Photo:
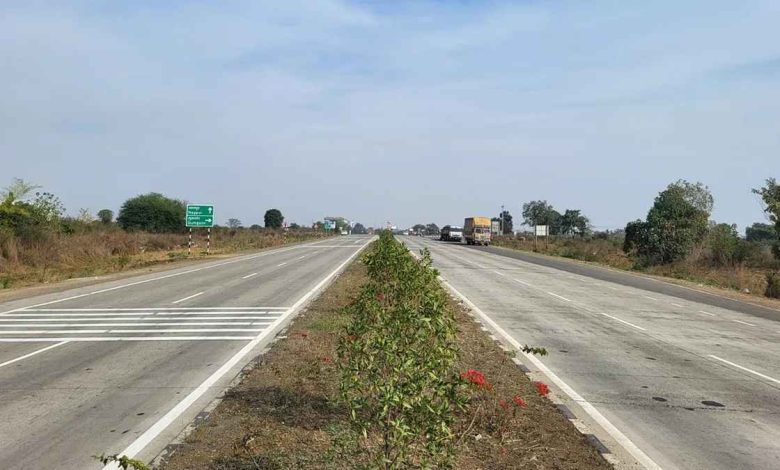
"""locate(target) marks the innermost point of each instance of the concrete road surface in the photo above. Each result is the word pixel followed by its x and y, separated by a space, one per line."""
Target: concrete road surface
pixel 124 366
pixel 664 381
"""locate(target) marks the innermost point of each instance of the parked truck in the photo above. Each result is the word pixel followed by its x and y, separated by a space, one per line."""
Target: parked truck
pixel 476 230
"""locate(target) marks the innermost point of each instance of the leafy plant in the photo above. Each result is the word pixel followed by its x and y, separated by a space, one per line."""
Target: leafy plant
pixel 124 462
pixel 397 360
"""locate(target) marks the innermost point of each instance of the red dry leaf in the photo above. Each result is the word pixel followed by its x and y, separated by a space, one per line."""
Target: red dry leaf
pixel 519 401
pixel 542 388
pixel 477 378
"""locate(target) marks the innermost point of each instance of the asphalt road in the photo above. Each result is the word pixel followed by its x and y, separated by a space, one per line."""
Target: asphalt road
pixel 124 366
pixel 663 380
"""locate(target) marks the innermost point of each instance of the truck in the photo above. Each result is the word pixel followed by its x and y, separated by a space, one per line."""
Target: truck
pixel 451 233
pixel 476 230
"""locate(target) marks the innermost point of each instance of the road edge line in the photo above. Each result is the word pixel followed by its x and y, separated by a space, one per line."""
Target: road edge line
pixel 20 358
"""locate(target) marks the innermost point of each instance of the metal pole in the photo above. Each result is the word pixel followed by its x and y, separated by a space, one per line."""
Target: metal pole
pixel 208 241
pixel 189 244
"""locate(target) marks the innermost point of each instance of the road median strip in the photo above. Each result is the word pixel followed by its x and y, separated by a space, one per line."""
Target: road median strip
pixel 287 410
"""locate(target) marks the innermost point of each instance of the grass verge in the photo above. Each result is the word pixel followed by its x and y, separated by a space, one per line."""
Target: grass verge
pixel 285 412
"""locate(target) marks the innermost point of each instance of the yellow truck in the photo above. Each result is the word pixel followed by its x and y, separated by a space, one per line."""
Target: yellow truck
pixel 476 230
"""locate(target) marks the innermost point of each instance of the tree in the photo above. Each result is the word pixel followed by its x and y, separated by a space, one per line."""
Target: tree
pixel 419 228
pixel 723 243
pixel 537 213
pixel 572 222
pixel 18 191
pixel 432 229
pixel 273 218
pixel 294 226
pixel 759 232
pixel 770 195
pixel 105 216
pixel 234 223
pixel 359 229
pixel 152 212
pixel 678 220
pixel 506 218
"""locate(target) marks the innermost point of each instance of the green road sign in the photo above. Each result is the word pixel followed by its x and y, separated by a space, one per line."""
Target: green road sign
pixel 330 225
pixel 200 215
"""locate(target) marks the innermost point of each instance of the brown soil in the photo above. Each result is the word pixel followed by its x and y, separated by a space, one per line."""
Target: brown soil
pixel 285 414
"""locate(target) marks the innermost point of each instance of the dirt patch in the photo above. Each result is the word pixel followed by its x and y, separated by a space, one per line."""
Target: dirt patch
pixel 285 412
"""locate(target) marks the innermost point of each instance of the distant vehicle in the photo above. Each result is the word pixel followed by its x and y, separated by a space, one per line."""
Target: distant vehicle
pixel 476 230
pixel 344 232
pixel 451 233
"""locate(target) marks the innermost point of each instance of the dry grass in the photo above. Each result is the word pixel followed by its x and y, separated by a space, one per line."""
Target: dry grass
pixel 698 268
pixel 60 256
pixel 285 412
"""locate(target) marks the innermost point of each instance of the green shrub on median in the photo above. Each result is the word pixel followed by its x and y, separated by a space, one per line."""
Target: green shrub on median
pixel 397 359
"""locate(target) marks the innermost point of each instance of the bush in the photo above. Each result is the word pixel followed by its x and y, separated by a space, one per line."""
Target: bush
pixel 152 212
pixel 397 359
pixel 773 285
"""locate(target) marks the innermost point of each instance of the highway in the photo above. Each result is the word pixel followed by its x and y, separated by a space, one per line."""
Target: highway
pixel 124 366
pixel 662 380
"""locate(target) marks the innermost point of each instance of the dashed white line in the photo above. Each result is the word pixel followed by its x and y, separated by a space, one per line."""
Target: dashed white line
pixel 187 298
pixel 498 272
pixel 611 287
pixel 707 313
pixel 772 379
pixel 301 257
pixel 623 321
pixel 249 275
pixel 743 322
pixel 6 363
pixel 648 297
pixel 676 305
pixel 559 296
pixel 281 264
pixel 522 282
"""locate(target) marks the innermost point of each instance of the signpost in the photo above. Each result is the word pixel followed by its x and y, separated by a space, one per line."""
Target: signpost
pixel 200 216
pixel 330 225
pixel 541 231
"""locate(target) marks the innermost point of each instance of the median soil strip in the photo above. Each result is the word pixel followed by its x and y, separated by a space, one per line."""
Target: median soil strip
pixel 284 412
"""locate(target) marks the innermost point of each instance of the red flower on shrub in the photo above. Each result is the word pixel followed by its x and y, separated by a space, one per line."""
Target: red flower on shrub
pixel 477 378
pixel 503 404
pixel 519 401
pixel 542 388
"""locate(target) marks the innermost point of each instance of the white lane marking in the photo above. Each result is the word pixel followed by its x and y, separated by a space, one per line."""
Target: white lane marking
pixel 128 338
pixel 281 264
pixel 61 325
pixel 559 296
pixel 187 298
pixel 301 257
pixel 50 332
pixel 648 297
pixel 707 313
pixel 676 305
pixel 177 330
pixel 498 272
pixel 137 309
pixel 772 379
pixel 20 358
pixel 139 320
pixel 743 322
pixel 144 281
pixel 249 275
pixel 522 282
pixel 12 316
pixel 611 287
pixel 622 321
pixel 610 428
pixel 150 434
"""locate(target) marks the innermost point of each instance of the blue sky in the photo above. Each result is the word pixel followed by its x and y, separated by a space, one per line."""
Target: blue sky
pixel 402 111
